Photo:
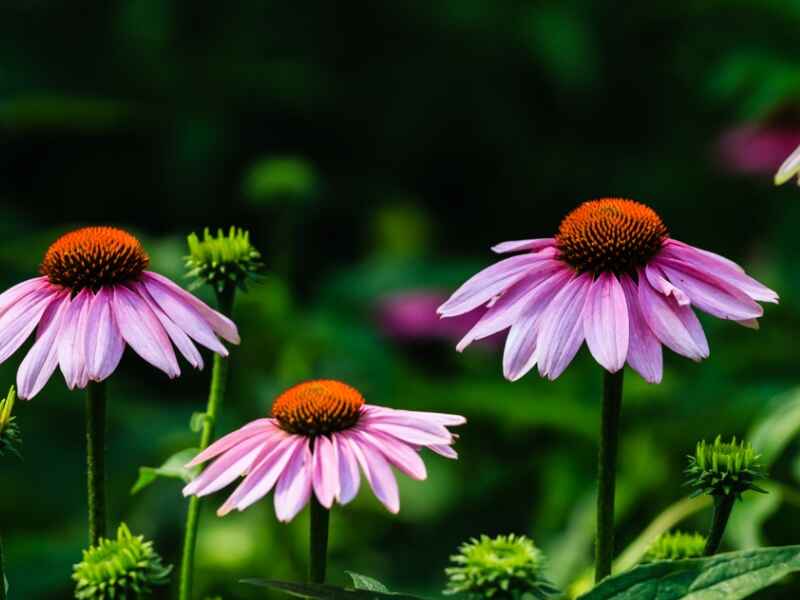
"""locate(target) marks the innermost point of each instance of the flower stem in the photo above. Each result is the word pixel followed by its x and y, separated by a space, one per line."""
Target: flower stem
pixel 318 541
pixel 2 573
pixel 96 459
pixel 723 505
pixel 607 472
pixel 216 393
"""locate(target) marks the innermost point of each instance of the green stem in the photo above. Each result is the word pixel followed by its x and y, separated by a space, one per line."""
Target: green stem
pixel 96 459
pixel 723 505
pixel 607 473
pixel 318 541
pixel 2 573
pixel 216 393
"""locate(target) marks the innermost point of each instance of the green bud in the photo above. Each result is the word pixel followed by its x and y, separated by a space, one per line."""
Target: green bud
pixel 724 469
pixel 676 546
pixel 9 432
pixel 505 567
pixel 223 261
pixel 125 568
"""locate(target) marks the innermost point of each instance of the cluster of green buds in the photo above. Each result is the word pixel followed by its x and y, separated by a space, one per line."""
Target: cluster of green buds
pixel 125 568
pixel 223 261
pixel 724 469
pixel 676 545
pixel 508 567
pixel 9 432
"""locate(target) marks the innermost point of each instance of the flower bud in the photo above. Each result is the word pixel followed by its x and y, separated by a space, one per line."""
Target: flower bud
pixel 724 469
pixel 676 545
pixel 223 261
pixel 9 432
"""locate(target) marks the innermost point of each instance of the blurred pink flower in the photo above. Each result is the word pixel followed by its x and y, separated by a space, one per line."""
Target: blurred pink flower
pixel 93 298
pixel 755 150
pixel 319 435
pixel 612 276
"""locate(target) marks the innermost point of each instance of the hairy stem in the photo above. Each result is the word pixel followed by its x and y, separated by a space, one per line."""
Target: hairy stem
pixel 216 393
pixel 723 505
pixel 607 472
pixel 96 459
pixel 318 541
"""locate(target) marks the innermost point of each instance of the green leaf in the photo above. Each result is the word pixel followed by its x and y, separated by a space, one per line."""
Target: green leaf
pixel 198 421
pixel 362 582
pixel 321 591
pixel 731 576
pixel 746 525
pixel 773 432
pixel 172 468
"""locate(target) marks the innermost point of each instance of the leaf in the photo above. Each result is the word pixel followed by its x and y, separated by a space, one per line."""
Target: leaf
pixel 777 428
pixel 731 576
pixel 362 582
pixel 198 421
pixel 321 591
pixel 173 468
pixel 745 528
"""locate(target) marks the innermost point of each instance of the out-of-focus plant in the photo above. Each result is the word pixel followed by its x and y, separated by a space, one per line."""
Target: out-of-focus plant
pixel 676 545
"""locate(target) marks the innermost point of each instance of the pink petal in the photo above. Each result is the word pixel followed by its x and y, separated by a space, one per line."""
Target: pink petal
pixel 257 427
pixel 143 332
pixel 42 358
pixel 486 284
pixel 675 326
pixel 14 294
pixel 71 350
pixel 228 467
pixel 412 433
pixel 21 318
pixel 399 454
pixel 349 479
pixel 185 316
pixel 104 343
pixel 531 245
pixel 644 349
pixel 605 322
pixel 789 168
pixel 221 324
pixel 445 451
pixel 431 417
pixel 294 487
pixel 182 341
pixel 561 333
pixel 378 473
pixel 659 282
pixel 325 475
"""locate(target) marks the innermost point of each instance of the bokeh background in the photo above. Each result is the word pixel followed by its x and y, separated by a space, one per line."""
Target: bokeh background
pixel 375 150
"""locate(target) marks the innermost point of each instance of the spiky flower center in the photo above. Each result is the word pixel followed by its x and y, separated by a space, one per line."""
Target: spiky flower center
pixel 318 407
pixel 611 234
pixel 92 257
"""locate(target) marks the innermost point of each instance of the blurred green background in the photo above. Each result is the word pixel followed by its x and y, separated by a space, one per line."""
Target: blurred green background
pixel 375 150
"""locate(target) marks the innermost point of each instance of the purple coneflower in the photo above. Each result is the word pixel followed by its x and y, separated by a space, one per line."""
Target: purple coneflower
pixel 611 276
pixel 95 296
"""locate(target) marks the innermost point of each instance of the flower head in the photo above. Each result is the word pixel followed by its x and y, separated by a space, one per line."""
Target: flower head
pixel 724 468
pixel 9 432
pixel 94 297
pixel 319 434
pixel 125 567
pixel 222 261
pixel 790 168
pixel 613 277
pixel 676 545
pixel 507 567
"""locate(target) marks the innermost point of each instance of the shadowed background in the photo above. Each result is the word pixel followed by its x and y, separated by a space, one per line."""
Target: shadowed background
pixel 375 151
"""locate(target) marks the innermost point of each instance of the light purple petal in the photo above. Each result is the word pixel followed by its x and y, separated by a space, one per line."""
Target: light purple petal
pixel 71 350
pixel 413 433
pixel 20 319
pixel 14 294
pixel 660 283
pixel 644 349
pixel 185 316
pixel 42 359
pixel 789 168
pixel 230 466
pixel 710 294
pixel 349 479
pixel 605 322
pixel 143 332
pixel 378 473
pixel 674 325
pixel 221 324
pixel 487 284
pixel 257 427
pixel 325 472
pixel 445 451
pixel 425 416
pixel 531 245
pixel 561 332
pixel 399 454
pixel 182 341
pixel 294 487
pixel 104 343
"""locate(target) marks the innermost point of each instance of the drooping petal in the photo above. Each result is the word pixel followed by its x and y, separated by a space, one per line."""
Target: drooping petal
pixel 674 325
pixel 349 479
pixel 530 245
pixel 486 284
pixel 294 486
pixel 257 427
pixel 561 332
pixel 605 322
pixel 14 294
pixel 520 347
pixel 644 349
pixel 660 283
pixel 221 324
pixel 104 343
pixel 230 466
pixel 42 359
pixel 21 318
pixel 71 351
pixel 378 473
pixel 399 454
pixel 413 433
pixel 425 416
pixel 325 475
pixel 445 451
pixel 789 168
pixel 143 332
